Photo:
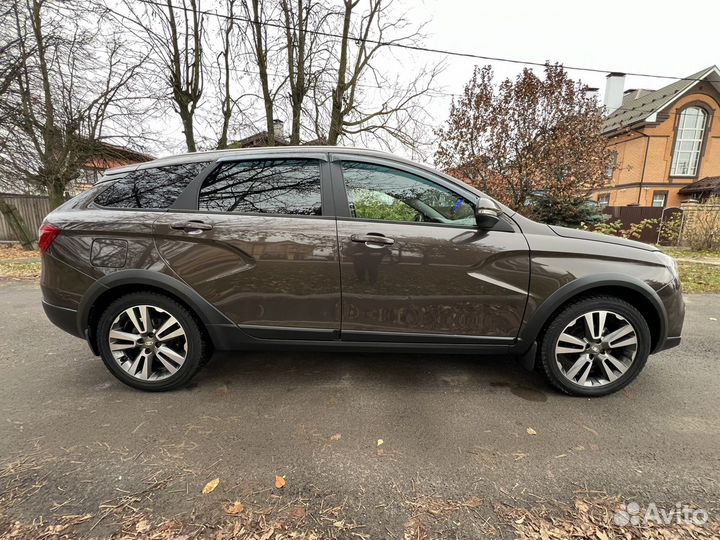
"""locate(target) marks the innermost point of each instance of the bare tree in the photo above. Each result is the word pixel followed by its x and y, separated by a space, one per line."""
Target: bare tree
pixel 365 37
pixel 305 50
pixel 225 63
pixel 173 34
pixel 70 87
pixel 357 97
pixel 260 47
pixel 336 70
pixel 11 54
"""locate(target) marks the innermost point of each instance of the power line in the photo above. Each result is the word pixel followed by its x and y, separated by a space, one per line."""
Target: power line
pixel 418 48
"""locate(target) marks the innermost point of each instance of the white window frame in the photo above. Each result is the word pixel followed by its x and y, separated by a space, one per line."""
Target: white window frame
pixel 603 200
pixel 689 141
pixel 664 196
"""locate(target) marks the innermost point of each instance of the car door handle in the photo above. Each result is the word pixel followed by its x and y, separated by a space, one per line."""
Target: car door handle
pixel 192 226
pixel 368 239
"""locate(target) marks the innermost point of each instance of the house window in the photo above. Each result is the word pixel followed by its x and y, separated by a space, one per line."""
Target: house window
pixel 659 199
pixel 603 200
pixel 688 142
pixel 611 165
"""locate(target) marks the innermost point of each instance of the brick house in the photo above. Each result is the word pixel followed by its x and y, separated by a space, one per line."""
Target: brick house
pixel 666 142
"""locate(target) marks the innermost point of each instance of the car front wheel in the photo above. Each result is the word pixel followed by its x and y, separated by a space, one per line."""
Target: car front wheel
pixel 151 342
pixel 595 346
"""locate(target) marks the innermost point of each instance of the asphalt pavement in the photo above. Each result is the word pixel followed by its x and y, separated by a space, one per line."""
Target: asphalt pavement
pixel 365 444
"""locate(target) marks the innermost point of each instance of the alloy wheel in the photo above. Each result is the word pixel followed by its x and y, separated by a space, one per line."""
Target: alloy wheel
pixel 148 342
pixel 596 349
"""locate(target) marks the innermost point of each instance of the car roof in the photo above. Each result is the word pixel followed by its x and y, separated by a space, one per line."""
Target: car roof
pixel 213 155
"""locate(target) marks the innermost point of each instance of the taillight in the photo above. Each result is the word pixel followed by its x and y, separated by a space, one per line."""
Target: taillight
pixel 48 234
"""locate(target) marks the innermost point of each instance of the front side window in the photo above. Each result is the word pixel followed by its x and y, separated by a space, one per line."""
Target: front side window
pixel 272 186
pixel 382 193
pixel 154 188
pixel 688 142
pixel 603 200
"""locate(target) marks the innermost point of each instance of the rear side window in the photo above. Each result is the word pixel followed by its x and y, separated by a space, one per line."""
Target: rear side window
pixel 272 186
pixel 155 188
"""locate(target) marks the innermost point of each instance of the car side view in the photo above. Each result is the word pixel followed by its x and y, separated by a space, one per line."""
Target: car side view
pixel 331 248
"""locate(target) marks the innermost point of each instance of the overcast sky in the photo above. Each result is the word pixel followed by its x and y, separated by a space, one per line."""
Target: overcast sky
pixel 659 37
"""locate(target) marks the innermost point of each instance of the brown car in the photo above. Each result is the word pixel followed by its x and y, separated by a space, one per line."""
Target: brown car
pixel 342 249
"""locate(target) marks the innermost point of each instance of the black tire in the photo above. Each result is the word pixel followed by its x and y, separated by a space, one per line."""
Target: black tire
pixel 198 346
pixel 570 313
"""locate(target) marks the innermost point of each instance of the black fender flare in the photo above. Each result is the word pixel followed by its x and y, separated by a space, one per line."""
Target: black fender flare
pixel 207 313
pixel 531 329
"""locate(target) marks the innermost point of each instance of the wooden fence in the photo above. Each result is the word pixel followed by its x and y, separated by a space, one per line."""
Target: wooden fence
pixel 32 208
pixel 630 215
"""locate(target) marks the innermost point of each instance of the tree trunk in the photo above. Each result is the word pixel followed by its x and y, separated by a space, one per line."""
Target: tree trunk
pixel 187 121
pixel 17 224
pixel 336 116
pixel 263 71
pixel 56 194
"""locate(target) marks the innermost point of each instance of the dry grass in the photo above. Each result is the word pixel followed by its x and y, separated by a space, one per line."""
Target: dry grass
pixel 700 278
pixel 14 263
pixel 699 270
pixel 10 252
pixel 23 271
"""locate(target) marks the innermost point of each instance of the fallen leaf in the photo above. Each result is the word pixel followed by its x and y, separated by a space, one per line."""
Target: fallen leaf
pixel 279 482
pixel 336 437
pixel 236 508
pixel 142 526
pixel 531 431
pixel 298 513
pixel 582 506
pixel 210 486
pixel 380 441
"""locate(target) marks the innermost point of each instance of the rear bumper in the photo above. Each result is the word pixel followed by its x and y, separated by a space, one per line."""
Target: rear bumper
pixel 63 318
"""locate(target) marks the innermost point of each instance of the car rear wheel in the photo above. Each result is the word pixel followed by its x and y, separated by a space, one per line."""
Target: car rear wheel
pixel 151 342
pixel 595 346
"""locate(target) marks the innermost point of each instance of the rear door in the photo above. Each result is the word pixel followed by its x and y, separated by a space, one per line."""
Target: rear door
pixel 414 265
pixel 259 242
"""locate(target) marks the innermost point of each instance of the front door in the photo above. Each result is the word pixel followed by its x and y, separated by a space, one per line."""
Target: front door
pixel 415 266
pixel 260 248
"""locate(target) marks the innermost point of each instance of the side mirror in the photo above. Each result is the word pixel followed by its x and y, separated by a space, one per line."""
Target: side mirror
pixel 487 214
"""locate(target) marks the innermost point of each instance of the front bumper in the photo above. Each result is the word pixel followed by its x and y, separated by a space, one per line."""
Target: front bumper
pixel 62 317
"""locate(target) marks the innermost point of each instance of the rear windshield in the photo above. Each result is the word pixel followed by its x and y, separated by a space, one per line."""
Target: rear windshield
pixel 155 188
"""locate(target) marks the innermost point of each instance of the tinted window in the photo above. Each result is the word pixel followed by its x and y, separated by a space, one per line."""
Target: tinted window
pixel 273 186
pixel 383 193
pixel 157 187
